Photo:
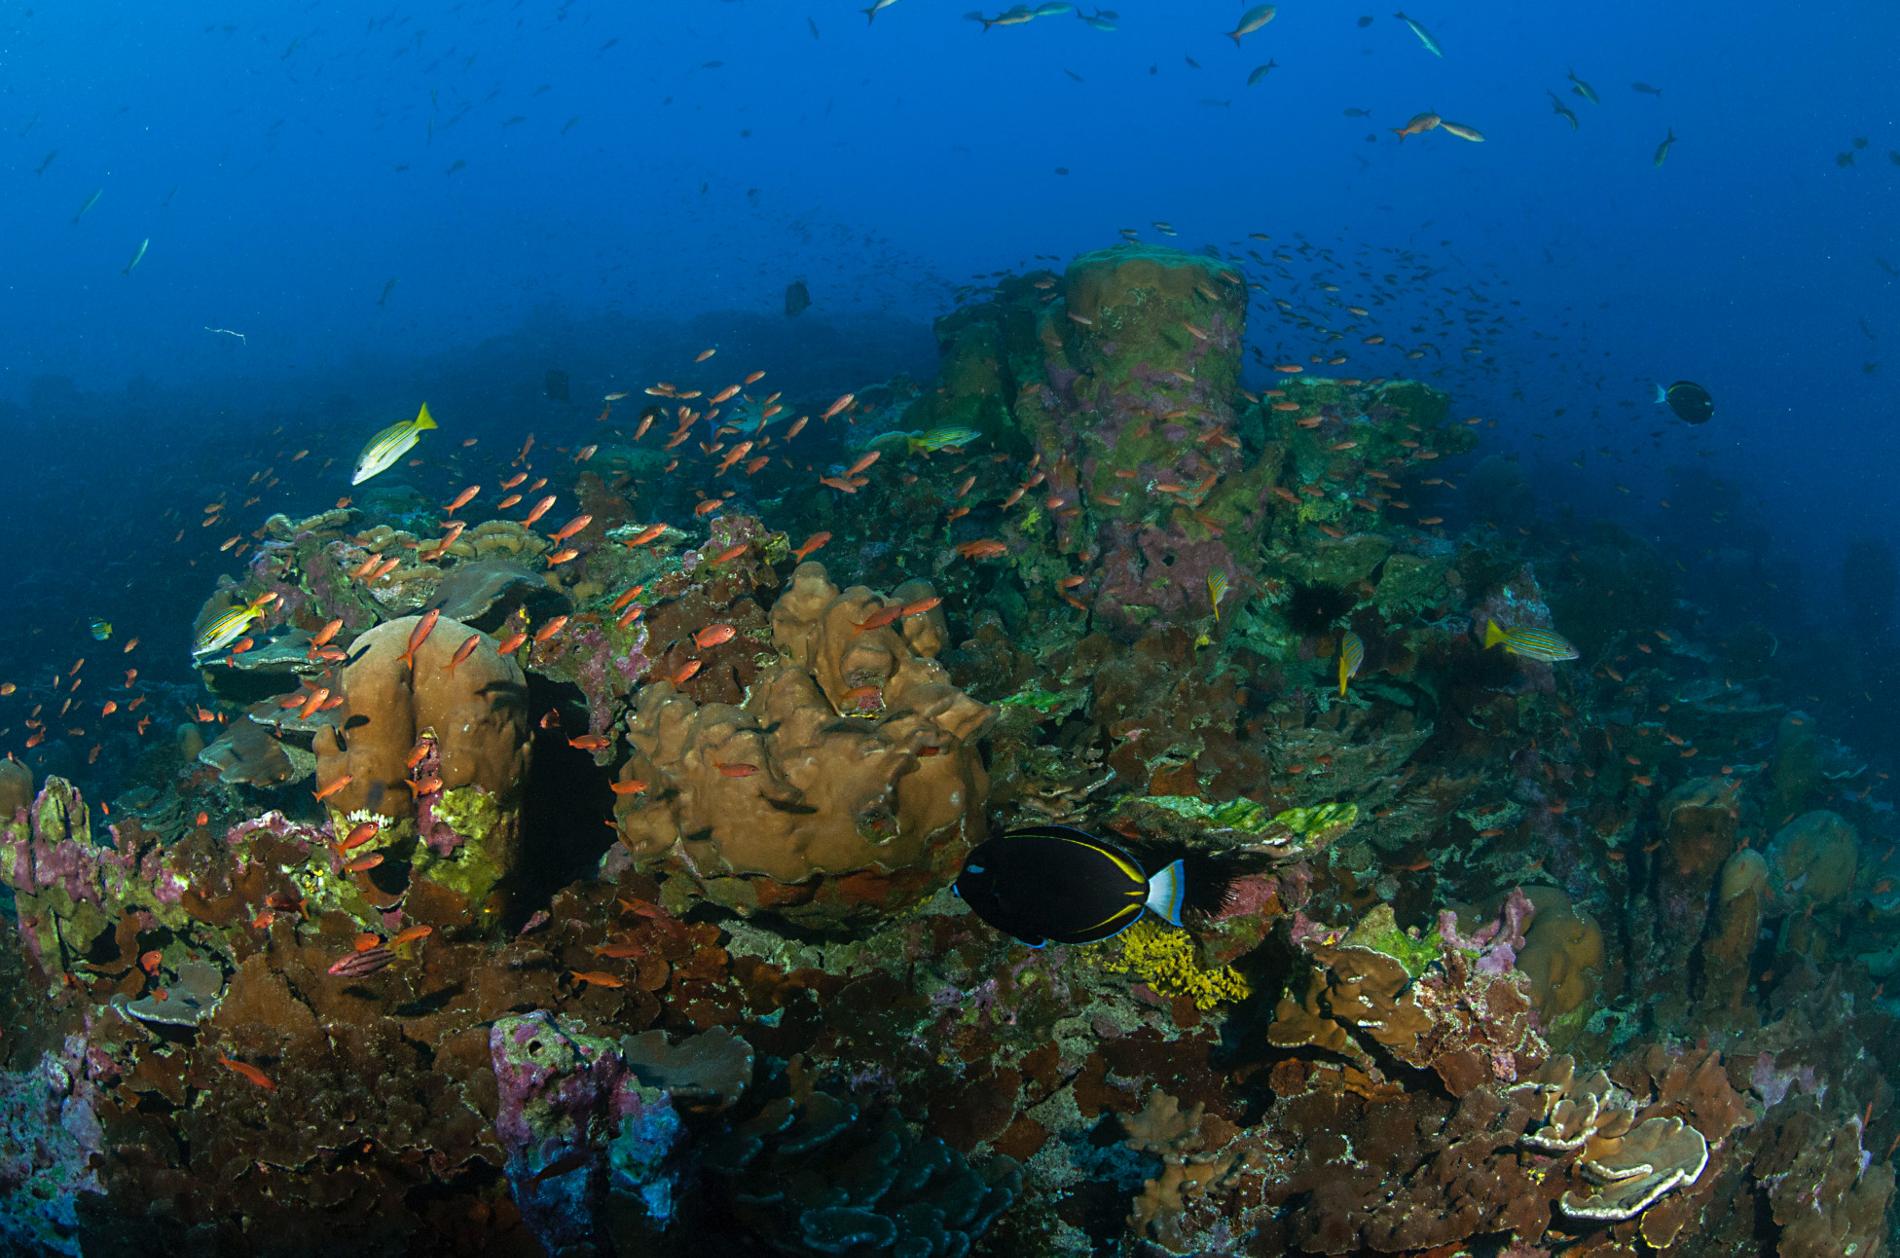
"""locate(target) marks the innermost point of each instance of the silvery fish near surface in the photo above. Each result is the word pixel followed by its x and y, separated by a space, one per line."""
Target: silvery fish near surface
pixel 1252 20
pixel 1546 645
pixel 1662 150
pixel 1424 36
pixel 391 444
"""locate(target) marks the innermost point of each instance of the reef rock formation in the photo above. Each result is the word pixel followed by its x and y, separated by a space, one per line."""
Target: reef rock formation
pixel 435 751
pixel 848 782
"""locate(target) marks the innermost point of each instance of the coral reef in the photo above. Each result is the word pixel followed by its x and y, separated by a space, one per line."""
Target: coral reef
pixel 848 783
pixel 1481 953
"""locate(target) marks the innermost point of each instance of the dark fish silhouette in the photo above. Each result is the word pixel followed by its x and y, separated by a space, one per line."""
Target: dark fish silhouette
pixel 1689 400
pixel 797 298
pixel 1057 882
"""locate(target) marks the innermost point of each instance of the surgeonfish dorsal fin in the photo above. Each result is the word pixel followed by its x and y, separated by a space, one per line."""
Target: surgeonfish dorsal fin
pixel 424 419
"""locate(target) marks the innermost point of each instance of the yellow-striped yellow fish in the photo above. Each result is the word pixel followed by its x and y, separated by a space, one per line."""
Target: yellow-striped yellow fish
pixel 229 626
pixel 1352 653
pixel 1216 591
pixel 391 444
pixel 1533 644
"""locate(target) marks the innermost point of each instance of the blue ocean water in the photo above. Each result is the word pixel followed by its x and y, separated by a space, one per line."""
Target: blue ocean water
pixel 240 240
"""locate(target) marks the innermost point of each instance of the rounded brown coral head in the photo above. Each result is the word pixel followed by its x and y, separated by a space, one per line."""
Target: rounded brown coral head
pixel 846 786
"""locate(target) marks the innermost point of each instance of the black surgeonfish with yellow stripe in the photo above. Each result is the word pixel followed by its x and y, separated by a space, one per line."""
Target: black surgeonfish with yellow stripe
pixel 1056 882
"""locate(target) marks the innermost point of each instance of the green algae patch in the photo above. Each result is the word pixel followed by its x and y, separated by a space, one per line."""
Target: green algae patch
pixel 473 868
pixel 1238 823
pixel 1321 823
pixel 1243 815
pixel 1379 931
pixel 470 811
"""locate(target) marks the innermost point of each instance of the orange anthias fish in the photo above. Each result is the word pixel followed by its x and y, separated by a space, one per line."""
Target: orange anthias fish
pixel 250 1073
pixel 864 462
pixel 982 548
pixel 324 792
pixel 461 500
pixel 598 978
pixel 420 634
pixel 572 527
pixel 646 534
pixel 880 618
pixel 812 543
pixel 713 635
pixel 550 629
pixel 838 406
pixel 588 742
pixel 540 509
pixel 359 834
pixel 919 607
pixel 631 787
pixel 465 650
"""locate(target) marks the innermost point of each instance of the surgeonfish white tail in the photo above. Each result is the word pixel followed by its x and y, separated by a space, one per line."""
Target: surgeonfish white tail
pixel 1166 890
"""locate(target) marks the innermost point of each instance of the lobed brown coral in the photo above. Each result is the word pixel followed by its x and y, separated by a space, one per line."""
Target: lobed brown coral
pixel 437 751
pixel 846 784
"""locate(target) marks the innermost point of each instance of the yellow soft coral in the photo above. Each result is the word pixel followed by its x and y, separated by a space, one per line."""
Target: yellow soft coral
pixel 1163 957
